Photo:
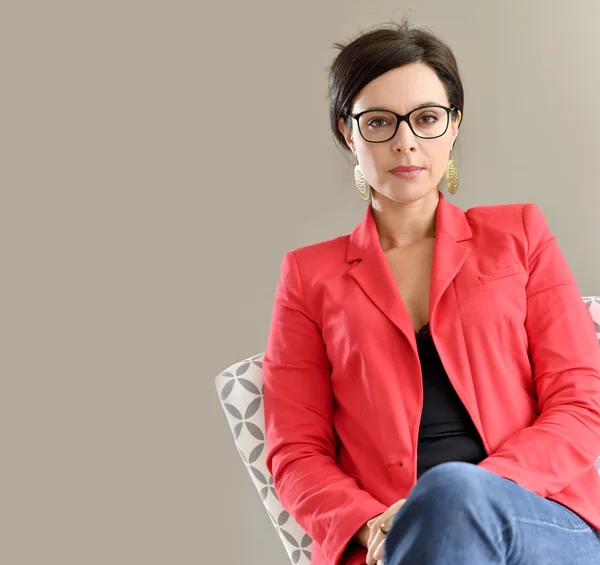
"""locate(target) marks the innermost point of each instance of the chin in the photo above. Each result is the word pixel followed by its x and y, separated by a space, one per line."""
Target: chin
pixel 407 193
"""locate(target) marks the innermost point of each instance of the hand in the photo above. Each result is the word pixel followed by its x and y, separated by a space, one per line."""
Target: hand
pixel 376 537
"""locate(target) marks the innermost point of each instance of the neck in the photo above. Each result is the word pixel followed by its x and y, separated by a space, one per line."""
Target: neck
pixel 401 224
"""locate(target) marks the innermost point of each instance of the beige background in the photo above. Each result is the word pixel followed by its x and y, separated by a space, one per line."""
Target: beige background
pixel 157 158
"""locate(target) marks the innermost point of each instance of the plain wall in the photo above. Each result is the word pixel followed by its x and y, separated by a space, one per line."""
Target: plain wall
pixel 156 161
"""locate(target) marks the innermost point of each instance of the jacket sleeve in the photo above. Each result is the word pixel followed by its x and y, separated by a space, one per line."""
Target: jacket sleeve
pixel 301 441
pixel 564 441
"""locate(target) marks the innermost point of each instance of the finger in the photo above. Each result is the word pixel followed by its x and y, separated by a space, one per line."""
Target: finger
pixel 370 538
pixel 378 553
pixel 373 545
pixel 374 528
pixel 370 551
pixel 370 525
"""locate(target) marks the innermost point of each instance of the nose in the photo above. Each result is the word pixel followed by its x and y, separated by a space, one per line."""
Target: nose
pixel 404 140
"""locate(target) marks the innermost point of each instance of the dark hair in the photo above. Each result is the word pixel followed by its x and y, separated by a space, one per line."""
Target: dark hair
pixel 380 50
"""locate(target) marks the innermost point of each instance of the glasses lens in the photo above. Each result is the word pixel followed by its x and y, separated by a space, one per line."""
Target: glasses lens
pixel 429 121
pixel 377 125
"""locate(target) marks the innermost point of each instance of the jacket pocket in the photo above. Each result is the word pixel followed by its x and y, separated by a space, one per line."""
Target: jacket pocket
pixel 503 272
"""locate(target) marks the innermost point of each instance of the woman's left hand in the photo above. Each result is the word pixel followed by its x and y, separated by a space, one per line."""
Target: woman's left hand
pixel 376 536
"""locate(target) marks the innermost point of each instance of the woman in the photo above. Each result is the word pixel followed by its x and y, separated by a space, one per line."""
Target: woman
pixel 432 381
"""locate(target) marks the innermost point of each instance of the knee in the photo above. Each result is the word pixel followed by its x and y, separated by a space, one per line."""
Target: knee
pixel 453 483
pixel 451 503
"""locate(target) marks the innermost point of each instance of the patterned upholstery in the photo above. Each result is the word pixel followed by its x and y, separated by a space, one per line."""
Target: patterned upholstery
pixel 240 389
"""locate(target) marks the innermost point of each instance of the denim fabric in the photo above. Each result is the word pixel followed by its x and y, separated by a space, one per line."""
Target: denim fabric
pixel 458 513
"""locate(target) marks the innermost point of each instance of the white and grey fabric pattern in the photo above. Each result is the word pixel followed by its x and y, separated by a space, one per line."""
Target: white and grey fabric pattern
pixel 240 389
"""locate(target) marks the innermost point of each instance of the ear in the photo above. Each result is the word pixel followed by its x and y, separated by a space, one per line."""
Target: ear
pixel 458 118
pixel 347 133
pixel 455 126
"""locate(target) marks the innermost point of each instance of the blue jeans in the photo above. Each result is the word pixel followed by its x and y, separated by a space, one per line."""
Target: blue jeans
pixel 461 514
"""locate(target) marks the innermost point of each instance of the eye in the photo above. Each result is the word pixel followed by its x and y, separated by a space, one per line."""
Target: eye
pixel 378 122
pixel 427 119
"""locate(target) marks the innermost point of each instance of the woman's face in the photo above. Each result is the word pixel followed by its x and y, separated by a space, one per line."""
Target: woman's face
pixel 402 90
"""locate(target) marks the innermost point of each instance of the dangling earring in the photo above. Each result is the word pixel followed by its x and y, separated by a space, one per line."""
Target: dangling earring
pixel 364 189
pixel 451 176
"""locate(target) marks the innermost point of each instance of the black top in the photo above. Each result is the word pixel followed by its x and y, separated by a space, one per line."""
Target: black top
pixel 447 432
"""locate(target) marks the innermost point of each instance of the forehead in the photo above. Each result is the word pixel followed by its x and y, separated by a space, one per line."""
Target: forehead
pixel 402 89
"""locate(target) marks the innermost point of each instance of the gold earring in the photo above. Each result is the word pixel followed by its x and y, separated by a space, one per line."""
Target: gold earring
pixel 364 189
pixel 451 176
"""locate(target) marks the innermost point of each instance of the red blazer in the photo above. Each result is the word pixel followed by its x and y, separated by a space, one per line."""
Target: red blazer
pixel 343 391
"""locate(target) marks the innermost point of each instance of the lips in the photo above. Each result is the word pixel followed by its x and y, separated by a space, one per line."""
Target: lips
pixel 407 172
pixel 408 169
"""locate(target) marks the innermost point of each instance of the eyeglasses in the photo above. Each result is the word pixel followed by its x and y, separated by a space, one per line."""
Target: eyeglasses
pixel 426 122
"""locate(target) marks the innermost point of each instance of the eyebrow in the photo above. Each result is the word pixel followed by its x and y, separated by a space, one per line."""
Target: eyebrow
pixel 423 105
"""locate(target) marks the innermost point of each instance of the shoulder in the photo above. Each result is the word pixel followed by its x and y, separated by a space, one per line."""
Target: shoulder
pixel 330 249
pixel 317 261
pixel 514 219
pixel 497 213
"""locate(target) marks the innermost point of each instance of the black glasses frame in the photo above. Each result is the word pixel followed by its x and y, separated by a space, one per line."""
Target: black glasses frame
pixel 403 118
